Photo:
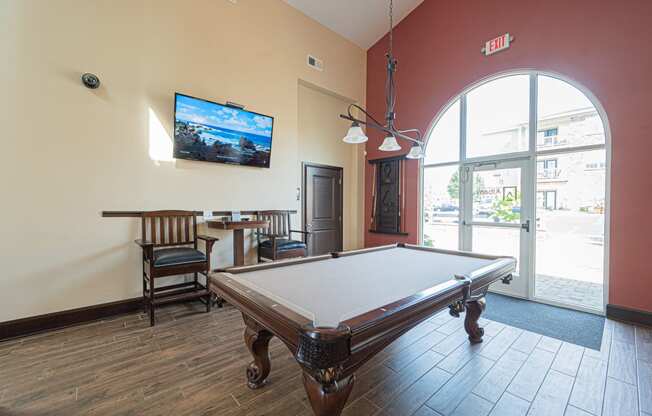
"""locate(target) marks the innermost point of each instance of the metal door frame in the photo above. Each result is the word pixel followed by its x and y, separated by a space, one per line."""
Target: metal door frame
pixel 524 275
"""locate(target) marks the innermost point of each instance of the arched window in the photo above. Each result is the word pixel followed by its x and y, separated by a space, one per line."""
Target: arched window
pixel 517 165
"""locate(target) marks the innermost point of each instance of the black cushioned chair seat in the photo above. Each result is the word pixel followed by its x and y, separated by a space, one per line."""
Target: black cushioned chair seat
pixel 177 255
pixel 284 244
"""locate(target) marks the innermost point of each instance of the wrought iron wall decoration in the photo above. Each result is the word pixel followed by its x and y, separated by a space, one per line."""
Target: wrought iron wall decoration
pixel 388 195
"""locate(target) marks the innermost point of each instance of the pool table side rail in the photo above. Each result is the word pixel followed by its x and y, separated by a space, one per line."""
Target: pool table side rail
pixel 274 264
pixel 303 260
pixel 372 330
pixel 348 253
pixel 284 322
pixel 453 252
pixel 480 279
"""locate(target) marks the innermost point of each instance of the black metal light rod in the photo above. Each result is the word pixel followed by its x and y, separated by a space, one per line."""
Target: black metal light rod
pixel 393 132
pixel 390 98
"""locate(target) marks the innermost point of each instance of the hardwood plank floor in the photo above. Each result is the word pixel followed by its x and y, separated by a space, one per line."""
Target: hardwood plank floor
pixel 620 399
pixel 622 362
pixel 193 363
pixel 645 386
pixel 644 344
pixel 568 359
pixel 510 405
pixel 526 342
pixel 529 378
pixel 574 411
pixel 496 381
pixel 412 398
pixel 588 391
pixel 552 398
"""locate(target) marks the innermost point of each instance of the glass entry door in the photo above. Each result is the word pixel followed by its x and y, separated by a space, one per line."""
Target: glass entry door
pixel 496 219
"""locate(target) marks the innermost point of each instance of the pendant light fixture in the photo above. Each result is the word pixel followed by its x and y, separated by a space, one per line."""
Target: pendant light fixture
pixel 416 152
pixel 355 134
pixel 390 144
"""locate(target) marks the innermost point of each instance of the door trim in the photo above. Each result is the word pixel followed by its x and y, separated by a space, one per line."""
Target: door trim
pixel 304 201
pixel 467 222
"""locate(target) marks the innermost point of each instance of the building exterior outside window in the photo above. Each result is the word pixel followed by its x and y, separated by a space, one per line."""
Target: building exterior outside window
pixel 566 181
pixel 578 127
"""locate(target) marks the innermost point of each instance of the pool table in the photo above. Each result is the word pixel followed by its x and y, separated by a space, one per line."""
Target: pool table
pixel 335 312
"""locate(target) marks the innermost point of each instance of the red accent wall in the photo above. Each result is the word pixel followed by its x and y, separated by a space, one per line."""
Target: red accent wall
pixel 604 45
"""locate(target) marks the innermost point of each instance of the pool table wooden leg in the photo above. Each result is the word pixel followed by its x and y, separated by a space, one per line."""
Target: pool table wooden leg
pixel 257 340
pixel 327 398
pixel 474 309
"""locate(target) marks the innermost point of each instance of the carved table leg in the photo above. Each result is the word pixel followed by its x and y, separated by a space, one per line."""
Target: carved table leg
pixel 327 398
pixel 257 340
pixel 474 309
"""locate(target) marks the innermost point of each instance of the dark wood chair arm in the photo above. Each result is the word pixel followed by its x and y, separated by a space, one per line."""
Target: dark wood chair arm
pixel 306 234
pixel 148 248
pixel 209 241
pixel 207 238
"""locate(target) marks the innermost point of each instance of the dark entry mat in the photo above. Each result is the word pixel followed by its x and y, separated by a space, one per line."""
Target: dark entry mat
pixel 576 327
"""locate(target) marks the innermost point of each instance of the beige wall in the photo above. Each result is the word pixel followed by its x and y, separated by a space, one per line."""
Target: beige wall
pixel 320 141
pixel 69 152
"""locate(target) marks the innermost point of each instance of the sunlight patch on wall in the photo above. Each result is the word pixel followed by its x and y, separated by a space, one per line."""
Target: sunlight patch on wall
pixel 160 143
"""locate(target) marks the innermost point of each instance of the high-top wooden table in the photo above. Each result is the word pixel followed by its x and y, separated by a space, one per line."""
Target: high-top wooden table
pixel 238 228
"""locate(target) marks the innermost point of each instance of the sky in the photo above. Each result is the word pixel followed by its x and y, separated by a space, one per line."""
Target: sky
pixel 203 112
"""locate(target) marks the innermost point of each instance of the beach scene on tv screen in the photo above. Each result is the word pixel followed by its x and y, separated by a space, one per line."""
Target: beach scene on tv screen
pixel 216 133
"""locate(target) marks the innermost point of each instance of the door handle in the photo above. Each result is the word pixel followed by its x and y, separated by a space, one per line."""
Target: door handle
pixel 526 225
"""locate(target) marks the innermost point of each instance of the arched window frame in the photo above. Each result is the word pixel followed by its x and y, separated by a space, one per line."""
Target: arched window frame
pixel 531 154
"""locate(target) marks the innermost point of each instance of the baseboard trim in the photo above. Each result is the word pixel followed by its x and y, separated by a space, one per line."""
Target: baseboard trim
pixel 628 315
pixel 57 320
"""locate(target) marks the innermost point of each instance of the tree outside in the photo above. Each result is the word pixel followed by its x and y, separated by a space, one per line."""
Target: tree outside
pixel 507 209
pixel 454 186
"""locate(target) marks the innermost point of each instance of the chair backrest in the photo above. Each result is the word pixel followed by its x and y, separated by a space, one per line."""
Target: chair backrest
pixel 279 222
pixel 170 228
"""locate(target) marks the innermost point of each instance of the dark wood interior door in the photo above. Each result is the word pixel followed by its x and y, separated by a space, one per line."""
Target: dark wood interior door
pixel 322 208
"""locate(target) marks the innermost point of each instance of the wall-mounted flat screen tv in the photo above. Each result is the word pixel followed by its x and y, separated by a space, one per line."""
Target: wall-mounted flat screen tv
pixel 212 132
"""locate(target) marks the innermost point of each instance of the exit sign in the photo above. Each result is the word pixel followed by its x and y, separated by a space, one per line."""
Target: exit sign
pixel 497 44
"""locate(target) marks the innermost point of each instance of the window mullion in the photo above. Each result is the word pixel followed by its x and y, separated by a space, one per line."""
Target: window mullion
pixel 534 101
pixel 464 237
pixel 463 113
pixel 531 204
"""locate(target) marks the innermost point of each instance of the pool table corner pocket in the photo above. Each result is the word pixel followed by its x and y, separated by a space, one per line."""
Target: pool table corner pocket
pixel 322 353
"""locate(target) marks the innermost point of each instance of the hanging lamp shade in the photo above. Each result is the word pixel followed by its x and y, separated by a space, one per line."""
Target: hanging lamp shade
pixel 389 145
pixel 416 152
pixel 355 135
pixel 388 127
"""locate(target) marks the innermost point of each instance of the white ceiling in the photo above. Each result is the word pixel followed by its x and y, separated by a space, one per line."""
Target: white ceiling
pixel 361 21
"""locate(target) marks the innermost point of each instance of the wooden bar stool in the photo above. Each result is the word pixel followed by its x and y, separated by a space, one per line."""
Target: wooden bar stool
pixel 277 242
pixel 169 243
